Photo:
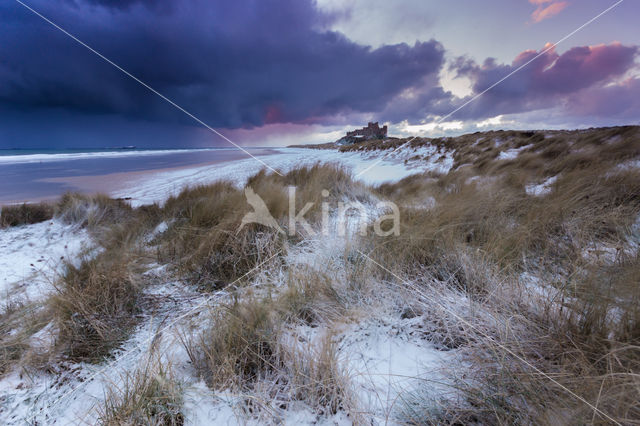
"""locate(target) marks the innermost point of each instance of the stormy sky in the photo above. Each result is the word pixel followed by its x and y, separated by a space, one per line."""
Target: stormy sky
pixel 275 72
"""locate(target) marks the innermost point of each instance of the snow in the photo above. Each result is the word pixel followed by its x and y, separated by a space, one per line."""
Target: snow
pixel 31 256
pixel 382 358
pixel 159 186
pixel 541 188
pixel 202 406
pixel 421 158
pixel 608 253
pixel 71 394
pixel 385 365
pixel 385 358
pixel 629 165
pixel 160 229
pixel 365 166
pixel 511 154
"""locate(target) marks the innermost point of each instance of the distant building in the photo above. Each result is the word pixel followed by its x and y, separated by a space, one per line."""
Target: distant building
pixel 372 131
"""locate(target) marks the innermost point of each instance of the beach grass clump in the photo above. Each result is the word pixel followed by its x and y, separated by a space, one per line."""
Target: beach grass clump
pixel 206 242
pixel 92 211
pixel 560 263
pixel 247 346
pixel 95 306
pixel 113 223
pixel 239 347
pixel 318 183
pixel 25 214
pixel 310 297
pixel 150 395
pixel 250 344
pixel 317 377
pixel 19 321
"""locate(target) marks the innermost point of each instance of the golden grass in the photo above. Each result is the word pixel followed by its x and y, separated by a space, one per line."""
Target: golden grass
pixel 92 210
pixel 239 347
pixel 204 240
pixel 251 346
pixel 25 214
pixel 316 377
pixel 19 321
pixel 310 297
pixel 480 235
pixel 148 396
pixel 95 306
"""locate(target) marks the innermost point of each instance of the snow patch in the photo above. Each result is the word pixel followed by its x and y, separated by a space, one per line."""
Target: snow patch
pixel 32 256
pixel 385 365
pixel 541 188
pixel 511 154
pixel 159 186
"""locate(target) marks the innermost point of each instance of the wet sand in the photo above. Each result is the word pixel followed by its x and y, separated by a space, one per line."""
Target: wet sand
pixel 117 182
pixel 109 183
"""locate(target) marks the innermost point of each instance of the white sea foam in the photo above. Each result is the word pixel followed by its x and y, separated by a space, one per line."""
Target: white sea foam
pixel 46 158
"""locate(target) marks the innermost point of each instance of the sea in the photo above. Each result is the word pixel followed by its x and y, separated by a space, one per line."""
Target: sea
pixel 31 175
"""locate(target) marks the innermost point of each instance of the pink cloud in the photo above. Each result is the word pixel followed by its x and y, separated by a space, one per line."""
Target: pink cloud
pixel 554 79
pixel 545 11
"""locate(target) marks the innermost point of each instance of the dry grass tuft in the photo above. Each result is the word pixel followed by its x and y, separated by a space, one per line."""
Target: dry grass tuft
pixel 317 377
pixel 310 183
pixel 310 297
pixel 19 321
pixel 25 214
pixel 92 211
pixel 239 347
pixel 204 240
pixel 95 306
pixel 149 396
pixel 113 223
pixel 248 347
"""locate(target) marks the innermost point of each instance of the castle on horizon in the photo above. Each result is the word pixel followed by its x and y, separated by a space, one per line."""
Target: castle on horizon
pixel 372 131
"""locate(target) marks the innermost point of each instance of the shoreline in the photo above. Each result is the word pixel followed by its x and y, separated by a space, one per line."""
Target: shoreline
pixel 116 184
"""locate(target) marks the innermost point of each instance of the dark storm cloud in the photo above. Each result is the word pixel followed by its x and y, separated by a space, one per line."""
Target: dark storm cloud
pixel 243 64
pixel 235 64
pixel 124 4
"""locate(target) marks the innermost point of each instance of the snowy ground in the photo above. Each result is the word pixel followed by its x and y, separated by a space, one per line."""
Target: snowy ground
pixel 379 354
pixel 32 255
pixel 157 187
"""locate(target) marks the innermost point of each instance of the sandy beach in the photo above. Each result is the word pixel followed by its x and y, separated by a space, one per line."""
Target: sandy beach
pixel 45 177
pixel 157 184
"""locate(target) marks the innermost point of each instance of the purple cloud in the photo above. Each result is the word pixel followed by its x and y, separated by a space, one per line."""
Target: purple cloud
pixel 548 81
pixel 256 63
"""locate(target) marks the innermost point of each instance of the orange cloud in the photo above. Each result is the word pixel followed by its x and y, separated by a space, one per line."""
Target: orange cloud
pixel 545 11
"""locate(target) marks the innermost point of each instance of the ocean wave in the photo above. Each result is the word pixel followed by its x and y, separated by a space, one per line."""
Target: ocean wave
pixel 50 157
